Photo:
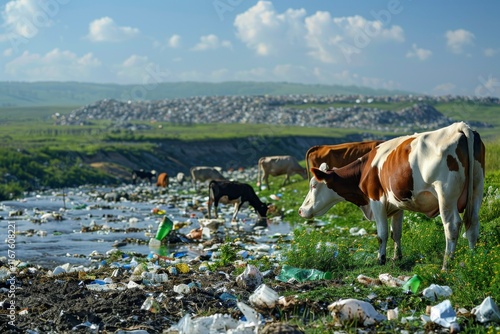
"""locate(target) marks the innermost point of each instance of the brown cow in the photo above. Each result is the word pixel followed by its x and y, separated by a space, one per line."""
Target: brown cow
pixel 435 173
pixel 162 180
pixel 338 155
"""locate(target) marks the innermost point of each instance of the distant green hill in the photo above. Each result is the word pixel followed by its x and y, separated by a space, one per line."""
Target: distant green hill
pixel 78 93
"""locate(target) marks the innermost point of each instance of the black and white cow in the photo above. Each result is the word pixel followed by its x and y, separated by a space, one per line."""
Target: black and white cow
pixel 232 192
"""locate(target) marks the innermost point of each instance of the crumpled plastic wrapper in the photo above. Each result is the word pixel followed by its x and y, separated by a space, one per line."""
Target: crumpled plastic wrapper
pixel 250 279
pixel 349 310
pixel 487 311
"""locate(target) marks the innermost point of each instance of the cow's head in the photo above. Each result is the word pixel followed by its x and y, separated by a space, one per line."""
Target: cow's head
pixel 303 173
pixel 320 198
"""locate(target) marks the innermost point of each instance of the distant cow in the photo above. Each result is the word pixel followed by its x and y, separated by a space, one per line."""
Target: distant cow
pixel 142 174
pixel 338 155
pixel 279 165
pixel 204 173
pixel 231 192
pixel 180 178
pixel 162 180
pixel 435 173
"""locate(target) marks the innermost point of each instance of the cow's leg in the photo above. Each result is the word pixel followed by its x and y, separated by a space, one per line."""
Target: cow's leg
pixel 210 202
pixel 265 176
pixel 452 222
pixel 473 232
pixel 287 178
pixel 396 232
pixel 236 210
pixel 216 208
pixel 380 215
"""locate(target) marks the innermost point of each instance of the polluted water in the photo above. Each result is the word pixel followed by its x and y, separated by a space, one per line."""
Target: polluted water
pixel 76 225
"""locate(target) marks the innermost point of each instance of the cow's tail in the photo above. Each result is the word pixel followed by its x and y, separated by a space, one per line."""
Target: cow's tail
pixel 259 166
pixel 469 134
pixel 307 162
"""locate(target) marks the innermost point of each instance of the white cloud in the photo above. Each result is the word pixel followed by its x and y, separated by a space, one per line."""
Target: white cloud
pixel 267 32
pixel 24 18
pixel 174 41
pixel 106 30
pixel 55 65
pixel 490 52
pixel 457 40
pixel 320 35
pixel 331 39
pixel 419 53
pixel 210 42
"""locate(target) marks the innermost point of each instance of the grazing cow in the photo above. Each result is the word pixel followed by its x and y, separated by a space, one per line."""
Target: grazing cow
pixel 338 155
pixel 180 178
pixel 162 180
pixel 142 174
pixel 437 172
pixel 204 173
pixel 279 165
pixel 232 192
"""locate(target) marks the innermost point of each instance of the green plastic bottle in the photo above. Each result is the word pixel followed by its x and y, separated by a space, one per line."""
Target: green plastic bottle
pixel 301 275
pixel 412 284
pixel 164 228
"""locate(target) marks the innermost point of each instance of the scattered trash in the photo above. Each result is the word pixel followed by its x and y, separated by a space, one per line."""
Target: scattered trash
pixel 443 314
pixel 250 279
pixel 183 289
pixel 164 228
pixel 151 305
pixel 290 274
pixel 264 297
pixel 435 292
pixel 412 284
pixel 392 314
pixel 356 231
pixel 388 280
pixel 355 311
pixel 487 311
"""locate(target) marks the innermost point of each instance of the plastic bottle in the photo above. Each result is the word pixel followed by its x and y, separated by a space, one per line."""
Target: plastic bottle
pixel 164 228
pixel 301 275
pixel 412 284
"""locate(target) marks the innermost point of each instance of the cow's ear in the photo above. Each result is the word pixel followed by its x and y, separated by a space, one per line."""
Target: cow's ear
pixel 319 174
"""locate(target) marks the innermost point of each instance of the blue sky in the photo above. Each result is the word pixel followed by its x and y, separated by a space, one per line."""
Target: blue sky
pixel 432 47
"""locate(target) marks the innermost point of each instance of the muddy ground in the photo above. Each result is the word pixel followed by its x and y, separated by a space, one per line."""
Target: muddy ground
pixel 64 303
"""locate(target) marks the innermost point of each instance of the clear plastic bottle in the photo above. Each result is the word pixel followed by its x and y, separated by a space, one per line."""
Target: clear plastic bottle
pixel 301 275
pixel 164 228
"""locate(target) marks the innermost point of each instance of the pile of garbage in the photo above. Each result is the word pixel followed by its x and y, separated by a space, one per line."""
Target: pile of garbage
pixel 185 292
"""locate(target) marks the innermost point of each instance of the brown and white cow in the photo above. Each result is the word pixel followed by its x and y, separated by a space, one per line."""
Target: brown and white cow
pixel 279 165
pixel 232 192
pixel 162 180
pixel 437 172
pixel 205 173
pixel 338 155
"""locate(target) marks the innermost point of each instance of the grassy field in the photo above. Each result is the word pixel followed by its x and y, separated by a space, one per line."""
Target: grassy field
pixel 472 276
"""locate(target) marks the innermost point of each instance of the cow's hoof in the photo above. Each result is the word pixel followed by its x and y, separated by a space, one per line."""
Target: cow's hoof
pixel 382 260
